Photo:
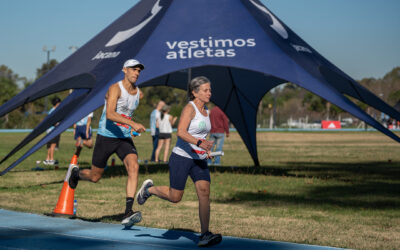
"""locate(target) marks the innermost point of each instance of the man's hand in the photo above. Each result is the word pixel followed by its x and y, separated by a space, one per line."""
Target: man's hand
pixel 138 127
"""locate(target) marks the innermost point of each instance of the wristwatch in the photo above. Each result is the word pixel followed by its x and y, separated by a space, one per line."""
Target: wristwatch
pixel 198 143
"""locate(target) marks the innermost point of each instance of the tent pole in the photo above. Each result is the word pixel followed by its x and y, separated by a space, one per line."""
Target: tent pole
pixel 189 74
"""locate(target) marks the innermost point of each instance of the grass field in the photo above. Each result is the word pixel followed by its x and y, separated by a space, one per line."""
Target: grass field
pixel 339 189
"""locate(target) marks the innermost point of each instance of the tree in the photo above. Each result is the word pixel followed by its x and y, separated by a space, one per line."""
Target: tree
pixel 9 88
pixel 315 103
pixel 45 68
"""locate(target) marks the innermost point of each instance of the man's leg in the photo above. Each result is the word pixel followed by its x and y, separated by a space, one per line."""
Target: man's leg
pixel 132 168
pixel 78 146
pixel 214 140
pixel 219 144
pixel 155 144
pixel 88 143
pixel 94 174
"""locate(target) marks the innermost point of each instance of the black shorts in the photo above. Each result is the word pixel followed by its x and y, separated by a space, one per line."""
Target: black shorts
pixel 55 140
pixel 106 146
pixel 163 136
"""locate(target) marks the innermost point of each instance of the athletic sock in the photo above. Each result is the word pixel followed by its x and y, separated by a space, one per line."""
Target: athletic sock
pixel 129 204
pixel 78 150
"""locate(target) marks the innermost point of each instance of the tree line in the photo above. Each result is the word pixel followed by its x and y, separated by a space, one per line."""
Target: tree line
pixel 287 101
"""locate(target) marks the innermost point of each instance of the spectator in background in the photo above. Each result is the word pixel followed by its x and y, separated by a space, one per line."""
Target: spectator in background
pixel 51 145
pixel 83 133
pixel 154 116
pixel 165 123
pixel 219 126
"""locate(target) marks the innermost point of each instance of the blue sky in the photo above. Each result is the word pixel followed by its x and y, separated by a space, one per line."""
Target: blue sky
pixel 361 37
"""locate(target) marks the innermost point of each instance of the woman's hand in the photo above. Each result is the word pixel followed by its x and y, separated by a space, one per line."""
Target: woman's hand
pixel 206 145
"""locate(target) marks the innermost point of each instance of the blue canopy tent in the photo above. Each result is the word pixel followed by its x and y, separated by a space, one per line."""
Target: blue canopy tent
pixel 240 45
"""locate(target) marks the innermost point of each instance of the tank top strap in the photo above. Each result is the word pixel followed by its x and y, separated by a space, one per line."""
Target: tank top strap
pixel 197 110
pixel 195 107
pixel 121 87
pixel 125 92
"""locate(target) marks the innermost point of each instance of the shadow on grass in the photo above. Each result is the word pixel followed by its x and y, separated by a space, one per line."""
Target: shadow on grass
pixel 373 185
pixel 320 170
pixel 32 186
pixel 356 196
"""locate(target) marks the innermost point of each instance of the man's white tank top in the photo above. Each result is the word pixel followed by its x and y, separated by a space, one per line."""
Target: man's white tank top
pixel 199 127
pixel 165 124
pixel 126 104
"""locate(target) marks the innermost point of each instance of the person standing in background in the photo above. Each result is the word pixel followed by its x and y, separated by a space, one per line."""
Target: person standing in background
pixel 51 145
pixel 83 133
pixel 219 126
pixel 165 124
pixel 154 116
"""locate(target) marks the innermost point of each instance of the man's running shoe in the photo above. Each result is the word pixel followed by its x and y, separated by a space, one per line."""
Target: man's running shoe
pixel 143 193
pixel 209 239
pixel 74 177
pixel 131 218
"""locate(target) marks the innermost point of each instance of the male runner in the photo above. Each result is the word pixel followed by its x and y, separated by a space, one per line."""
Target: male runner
pixel 115 136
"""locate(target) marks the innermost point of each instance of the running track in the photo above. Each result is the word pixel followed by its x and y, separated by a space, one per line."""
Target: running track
pixel 31 231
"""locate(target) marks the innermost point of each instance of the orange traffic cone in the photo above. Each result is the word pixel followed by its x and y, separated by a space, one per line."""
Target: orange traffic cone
pixel 65 204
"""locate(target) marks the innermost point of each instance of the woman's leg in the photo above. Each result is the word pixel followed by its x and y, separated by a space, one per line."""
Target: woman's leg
pixel 203 194
pixel 167 193
pixel 51 151
pixel 166 149
pixel 160 144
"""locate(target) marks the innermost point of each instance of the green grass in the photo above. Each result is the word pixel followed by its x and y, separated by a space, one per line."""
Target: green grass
pixel 337 189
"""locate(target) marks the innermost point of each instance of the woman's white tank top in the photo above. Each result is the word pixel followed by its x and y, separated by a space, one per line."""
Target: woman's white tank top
pixel 199 127
pixel 165 124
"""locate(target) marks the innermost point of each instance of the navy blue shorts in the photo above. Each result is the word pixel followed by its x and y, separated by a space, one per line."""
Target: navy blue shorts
pixel 181 167
pixel 106 146
pixel 80 131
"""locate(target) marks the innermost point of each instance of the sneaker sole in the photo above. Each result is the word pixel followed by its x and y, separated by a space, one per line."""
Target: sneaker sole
pixel 133 219
pixel 212 242
pixel 69 179
pixel 141 189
